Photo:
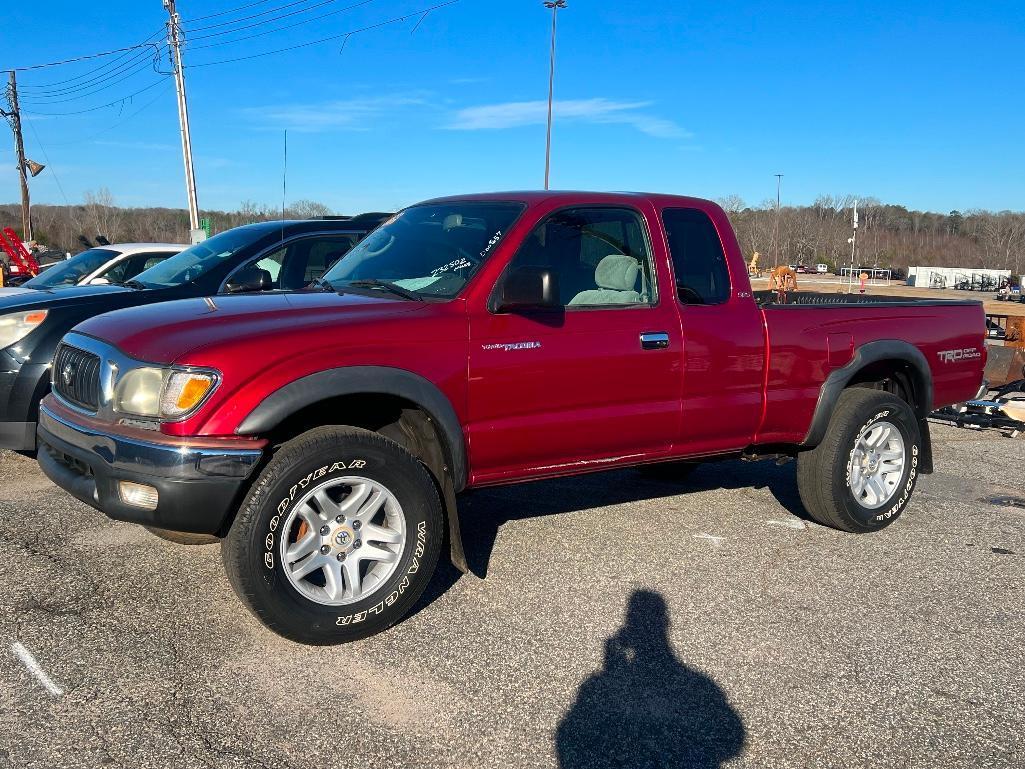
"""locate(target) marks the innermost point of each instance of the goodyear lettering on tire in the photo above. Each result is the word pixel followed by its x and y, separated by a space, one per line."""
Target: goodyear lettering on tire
pixel 301 485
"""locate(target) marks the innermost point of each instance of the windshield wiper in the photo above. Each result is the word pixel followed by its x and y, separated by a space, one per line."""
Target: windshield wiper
pixel 321 284
pixel 394 288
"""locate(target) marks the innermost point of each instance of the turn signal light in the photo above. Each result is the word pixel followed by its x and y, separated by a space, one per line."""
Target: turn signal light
pixel 184 391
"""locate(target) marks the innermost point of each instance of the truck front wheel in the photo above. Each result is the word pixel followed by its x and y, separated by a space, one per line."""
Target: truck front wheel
pixel 861 476
pixel 337 538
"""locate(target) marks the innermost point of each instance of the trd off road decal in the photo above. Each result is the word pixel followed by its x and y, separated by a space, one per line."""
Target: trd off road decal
pixel 414 567
pixel 952 356
pixel 268 555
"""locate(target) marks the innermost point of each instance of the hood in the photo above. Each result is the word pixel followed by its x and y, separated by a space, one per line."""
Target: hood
pixel 20 298
pixel 165 332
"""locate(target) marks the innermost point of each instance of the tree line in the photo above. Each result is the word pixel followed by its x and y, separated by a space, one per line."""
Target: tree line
pixel 62 228
pixel 889 236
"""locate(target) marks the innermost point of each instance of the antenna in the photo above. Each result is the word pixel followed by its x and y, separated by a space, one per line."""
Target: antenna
pixel 284 186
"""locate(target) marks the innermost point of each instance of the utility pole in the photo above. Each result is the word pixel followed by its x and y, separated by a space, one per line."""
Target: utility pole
pixel 775 228
pixel 555 5
pixel 14 116
pixel 174 41
pixel 854 244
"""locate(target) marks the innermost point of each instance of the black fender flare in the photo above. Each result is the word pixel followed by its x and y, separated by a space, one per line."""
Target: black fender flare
pixel 865 355
pixel 356 380
pixel 378 380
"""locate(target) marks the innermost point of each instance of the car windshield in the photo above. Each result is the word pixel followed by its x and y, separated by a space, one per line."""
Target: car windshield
pixel 196 261
pixel 431 250
pixel 71 271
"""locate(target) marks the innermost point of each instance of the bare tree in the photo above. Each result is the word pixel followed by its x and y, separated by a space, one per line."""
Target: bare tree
pixel 102 215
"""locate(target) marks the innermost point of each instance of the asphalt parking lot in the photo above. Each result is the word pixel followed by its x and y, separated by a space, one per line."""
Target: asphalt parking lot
pixel 622 622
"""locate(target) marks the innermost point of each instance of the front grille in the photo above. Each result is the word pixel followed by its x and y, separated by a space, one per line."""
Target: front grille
pixel 76 377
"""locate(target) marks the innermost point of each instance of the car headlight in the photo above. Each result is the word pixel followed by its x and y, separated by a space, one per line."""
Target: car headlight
pixel 161 392
pixel 18 325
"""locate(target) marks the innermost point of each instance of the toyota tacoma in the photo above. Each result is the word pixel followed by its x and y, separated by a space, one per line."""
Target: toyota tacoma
pixel 326 433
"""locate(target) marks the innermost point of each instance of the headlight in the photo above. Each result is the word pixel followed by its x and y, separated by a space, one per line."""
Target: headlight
pixel 162 393
pixel 138 392
pixel 18 325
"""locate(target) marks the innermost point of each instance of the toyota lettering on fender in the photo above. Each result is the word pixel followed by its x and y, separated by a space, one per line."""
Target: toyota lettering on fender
pixel 325 434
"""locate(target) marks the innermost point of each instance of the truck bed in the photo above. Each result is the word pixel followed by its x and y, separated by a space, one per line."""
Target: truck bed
pixel 810 335
pixel 824 299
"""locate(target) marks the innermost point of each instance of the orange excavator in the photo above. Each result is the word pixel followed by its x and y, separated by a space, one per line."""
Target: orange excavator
pixel 21 265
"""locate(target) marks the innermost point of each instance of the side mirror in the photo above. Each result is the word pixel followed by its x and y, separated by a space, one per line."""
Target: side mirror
pixel 99 282
pixel 249 279
pixel 529 287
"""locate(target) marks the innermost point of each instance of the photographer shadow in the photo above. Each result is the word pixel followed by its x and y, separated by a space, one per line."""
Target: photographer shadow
pixel 645 708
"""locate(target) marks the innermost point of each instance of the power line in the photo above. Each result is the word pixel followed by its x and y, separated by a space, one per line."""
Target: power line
pixel 265 13
pixel 276 29
pixel 74 59
pixel 231 10
pixel 101 106
pixel 144 44
pixel 118 124
pixel 46 100
pixel 396 20
pixel 140 59
pixel 49 164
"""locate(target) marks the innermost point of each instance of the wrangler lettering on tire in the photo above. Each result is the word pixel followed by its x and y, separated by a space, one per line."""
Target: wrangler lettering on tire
pixel 340 518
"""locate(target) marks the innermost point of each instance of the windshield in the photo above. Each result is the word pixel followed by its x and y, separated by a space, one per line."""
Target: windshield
pixel 196 261
pixel 430 249
pixel 70 271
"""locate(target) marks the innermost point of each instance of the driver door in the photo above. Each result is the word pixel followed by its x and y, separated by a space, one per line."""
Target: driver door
pixel 594 382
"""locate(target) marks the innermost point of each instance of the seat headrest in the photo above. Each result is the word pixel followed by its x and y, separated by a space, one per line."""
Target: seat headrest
pixel 617 272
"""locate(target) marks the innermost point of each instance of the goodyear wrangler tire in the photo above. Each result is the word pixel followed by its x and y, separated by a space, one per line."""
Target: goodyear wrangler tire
pixel 337 538
pixel 861 476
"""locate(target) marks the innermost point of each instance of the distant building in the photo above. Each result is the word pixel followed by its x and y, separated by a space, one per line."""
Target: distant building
pixel 957 277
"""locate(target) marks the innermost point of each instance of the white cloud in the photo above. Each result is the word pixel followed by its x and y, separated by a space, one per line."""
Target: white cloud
pixel 598 110
pixel 339 115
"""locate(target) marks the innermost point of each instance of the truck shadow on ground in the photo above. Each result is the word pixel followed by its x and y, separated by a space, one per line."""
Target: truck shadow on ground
pixel 484 512
pixel 646 708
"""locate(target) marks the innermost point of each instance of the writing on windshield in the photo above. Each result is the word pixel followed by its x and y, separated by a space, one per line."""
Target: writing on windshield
pixel 431 249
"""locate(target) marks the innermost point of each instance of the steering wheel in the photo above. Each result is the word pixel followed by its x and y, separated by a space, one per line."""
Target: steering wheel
pixel 389 241
pixel 688 295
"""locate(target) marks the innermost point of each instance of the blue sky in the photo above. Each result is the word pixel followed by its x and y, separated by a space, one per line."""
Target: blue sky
pixel 917 103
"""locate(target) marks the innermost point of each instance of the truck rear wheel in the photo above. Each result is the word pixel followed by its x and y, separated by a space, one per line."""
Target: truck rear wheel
pixel 337 538
pixel 861 476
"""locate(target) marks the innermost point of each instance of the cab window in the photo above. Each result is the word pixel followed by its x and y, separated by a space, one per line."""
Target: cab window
pixel 600 256
pixel 299 263
pixel 699 262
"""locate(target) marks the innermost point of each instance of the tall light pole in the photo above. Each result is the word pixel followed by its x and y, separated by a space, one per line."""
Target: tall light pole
pixel 775 228
pixel 174 41
pixel 555 5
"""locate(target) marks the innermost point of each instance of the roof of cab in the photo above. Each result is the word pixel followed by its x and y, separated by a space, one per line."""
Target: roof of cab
pixel 533 197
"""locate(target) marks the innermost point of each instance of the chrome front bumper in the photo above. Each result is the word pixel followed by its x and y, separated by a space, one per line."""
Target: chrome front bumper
pixel 197 488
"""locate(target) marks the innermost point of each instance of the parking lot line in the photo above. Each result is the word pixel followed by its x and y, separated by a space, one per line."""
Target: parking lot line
pixel 26 658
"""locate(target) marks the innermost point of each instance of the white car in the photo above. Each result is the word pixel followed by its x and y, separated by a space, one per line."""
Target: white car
pixel 116 263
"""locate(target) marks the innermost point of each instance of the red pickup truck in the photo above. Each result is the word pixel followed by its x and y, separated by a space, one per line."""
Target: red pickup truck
pixel 488 339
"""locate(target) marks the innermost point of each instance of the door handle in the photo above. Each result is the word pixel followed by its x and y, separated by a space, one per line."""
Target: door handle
pixel 654 340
